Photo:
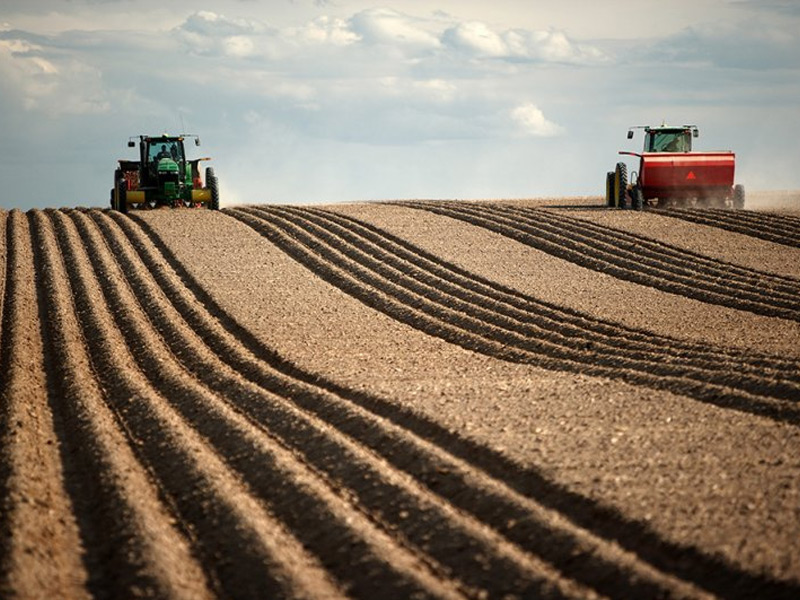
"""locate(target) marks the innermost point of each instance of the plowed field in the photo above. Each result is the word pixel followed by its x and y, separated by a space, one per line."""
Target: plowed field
pixel 400 400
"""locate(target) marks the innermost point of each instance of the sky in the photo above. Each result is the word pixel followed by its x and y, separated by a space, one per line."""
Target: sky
pixel 318 101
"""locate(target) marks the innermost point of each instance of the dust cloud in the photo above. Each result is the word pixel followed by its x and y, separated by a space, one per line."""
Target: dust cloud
pixel 778 200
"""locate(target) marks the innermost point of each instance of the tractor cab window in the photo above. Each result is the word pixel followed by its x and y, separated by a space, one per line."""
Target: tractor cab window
pixel 158 150
pixel 669 141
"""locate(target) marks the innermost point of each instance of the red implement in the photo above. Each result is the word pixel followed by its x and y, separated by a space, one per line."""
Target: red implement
pixel 686 174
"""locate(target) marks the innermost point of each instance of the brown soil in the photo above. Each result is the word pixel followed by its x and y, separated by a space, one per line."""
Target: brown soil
pixel 416 399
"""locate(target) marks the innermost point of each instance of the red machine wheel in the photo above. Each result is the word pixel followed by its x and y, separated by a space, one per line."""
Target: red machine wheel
pixel 637 198
pixel 738 196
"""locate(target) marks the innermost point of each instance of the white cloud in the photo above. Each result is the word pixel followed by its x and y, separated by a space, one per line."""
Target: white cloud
pixel 555 46
pixel 238 46
pixel 532 121
pixel 393 34
pixel 330 30
pixel 375 77
pixel 15 46
pixel 438 89
pixel 215 25
pixel 476 38
pixel 50 85
pixel 211 34
pixel 479 40
pixel 389 27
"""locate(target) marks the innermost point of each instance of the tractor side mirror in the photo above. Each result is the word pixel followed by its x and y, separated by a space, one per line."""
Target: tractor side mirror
pixel 131 144
pixel 197 141
pixel 630 134
pixel 695 132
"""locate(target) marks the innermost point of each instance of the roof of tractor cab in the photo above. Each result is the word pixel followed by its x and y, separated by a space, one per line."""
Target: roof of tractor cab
pixel 163 138
pixel 669 129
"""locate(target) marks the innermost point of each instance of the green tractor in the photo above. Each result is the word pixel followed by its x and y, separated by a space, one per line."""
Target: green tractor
pixel 163 177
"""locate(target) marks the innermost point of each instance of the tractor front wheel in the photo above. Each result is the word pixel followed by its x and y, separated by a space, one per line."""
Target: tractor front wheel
pixel 213 187
pixel 620 184
pixel 738 196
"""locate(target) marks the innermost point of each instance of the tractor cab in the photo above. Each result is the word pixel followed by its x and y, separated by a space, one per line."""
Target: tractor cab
pixel 162 157
pixel 667 139
pixel 158 149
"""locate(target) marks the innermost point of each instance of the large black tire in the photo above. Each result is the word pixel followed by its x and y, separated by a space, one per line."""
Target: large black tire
pixel 122 196
pixel 610 189
pixel 213 185
pixel 620 184
pixel 637 198
pixel 738 196
pixel 117 177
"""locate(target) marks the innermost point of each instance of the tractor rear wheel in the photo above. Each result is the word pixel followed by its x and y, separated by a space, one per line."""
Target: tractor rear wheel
pixel 620 184
pixel 637 198
pixel 213 186
pixel 122 196
pixel 117 177
pixel 738 196
pixel 610 189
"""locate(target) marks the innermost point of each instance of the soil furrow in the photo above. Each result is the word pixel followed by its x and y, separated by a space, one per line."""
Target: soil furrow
pixel 39 542
pixel 414 514
pixel 415 523
pixel 369 481
pixel 651 257
pixel 711 573
pixel 661 355
pixel 323 521
pixel 449 319
pixel 774 228
pixel 662 279
pixel 243 549
pixel 790 220
pixel 699 240
pixel 473 554
pixel 653 252
pixel 129 538
pixel 786 224
pixel 550 315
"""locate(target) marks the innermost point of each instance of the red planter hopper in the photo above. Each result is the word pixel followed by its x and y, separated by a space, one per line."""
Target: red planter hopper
pixel 687 174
